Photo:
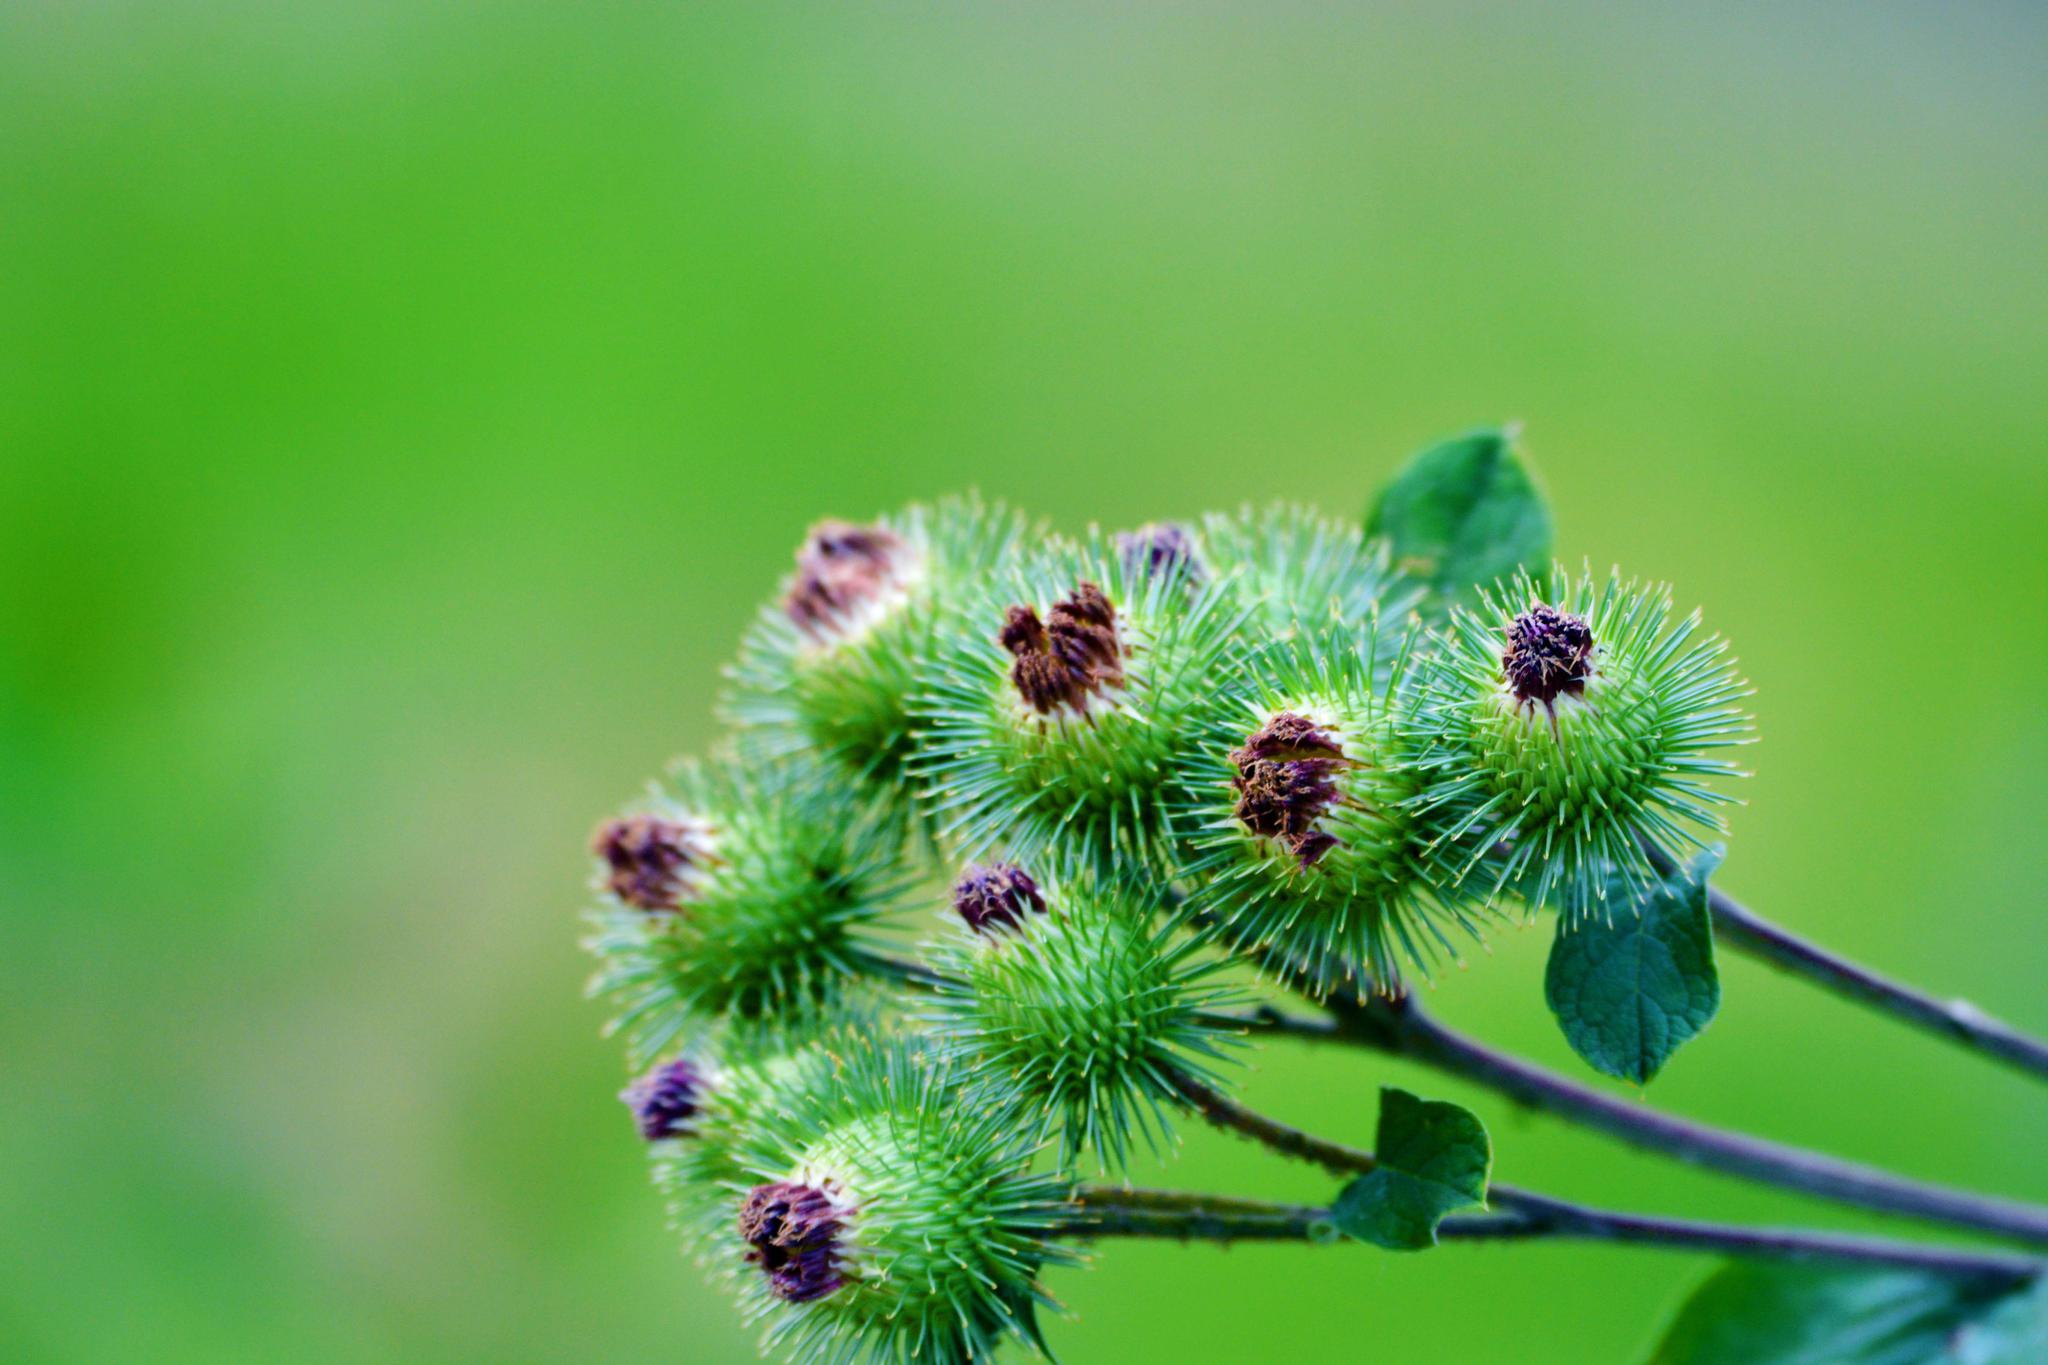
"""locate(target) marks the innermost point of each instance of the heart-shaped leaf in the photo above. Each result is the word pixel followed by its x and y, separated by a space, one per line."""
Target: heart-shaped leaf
pixel 1464 513
pixel 1432 1159
pixel 1628 989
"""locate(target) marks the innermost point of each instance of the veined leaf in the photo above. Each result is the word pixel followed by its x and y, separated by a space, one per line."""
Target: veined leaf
pixel 1630 988
pixel 1433 1158
pixel 1464 512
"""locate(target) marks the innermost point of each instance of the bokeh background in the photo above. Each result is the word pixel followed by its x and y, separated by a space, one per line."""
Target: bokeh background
pixel 403 407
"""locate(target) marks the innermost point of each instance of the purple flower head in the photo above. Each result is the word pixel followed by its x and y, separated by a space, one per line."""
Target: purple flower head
pixel 794 1232
pixel 1070 656
pixel 993 897
pixel 664 1099
pixel 1157 548
pixel 1549 655
pixel 842 571
pixel 1286 781
pixel 648 861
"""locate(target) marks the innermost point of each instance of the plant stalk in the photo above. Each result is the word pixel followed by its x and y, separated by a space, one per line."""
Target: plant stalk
pixel 1105 1211
pixel 1958 1021
pixel 1400 1026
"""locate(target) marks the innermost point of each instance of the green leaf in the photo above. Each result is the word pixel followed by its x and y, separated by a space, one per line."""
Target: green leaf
pixel 1629 989
pixel 1749 1313
pixel 1433 1158
pixel 1464 513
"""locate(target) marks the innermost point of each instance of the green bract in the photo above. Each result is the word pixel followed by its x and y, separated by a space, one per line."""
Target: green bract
pixel 1053 722
pixel 771 878
pixel 1566 726
pixel 1085 1011
pixel 828 667
pixel 1301 792
pixel 929 1231
pixel 1297 566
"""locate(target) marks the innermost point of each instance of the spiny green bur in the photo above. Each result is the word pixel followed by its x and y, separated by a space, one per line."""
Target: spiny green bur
pixel 944 1225
pixel 769 924
pixel 1300 797
pixel 1083 1010
pixel 1558 786
pixel 830 667
pixel 1052 728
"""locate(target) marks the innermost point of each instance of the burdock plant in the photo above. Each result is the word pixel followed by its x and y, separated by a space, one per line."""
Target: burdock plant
pixel 1163 779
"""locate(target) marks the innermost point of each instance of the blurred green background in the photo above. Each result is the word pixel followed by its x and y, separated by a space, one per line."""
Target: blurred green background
pixel 402 408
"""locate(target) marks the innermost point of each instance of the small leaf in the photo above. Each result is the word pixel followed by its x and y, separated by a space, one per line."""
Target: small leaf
pixel 1433 1158
pixel 1748 1313
pixel 1464 513
pixel 1629 989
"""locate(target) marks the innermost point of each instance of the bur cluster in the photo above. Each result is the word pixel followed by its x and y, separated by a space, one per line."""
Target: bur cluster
pixel 1009 827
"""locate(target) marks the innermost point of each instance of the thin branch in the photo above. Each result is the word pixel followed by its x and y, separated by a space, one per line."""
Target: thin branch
pixel 1226 1113
pixel 1104 1211
pixel 1336 1157
pixel 1398 1025
pixel 1958 1021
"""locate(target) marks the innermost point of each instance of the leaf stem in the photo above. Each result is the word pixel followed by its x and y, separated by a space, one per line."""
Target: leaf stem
pixel 1107 1211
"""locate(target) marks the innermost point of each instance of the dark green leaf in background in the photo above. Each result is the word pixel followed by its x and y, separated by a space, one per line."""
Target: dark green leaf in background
pixel 1748 1313
pixel 1465 512
pixel 1433 1159
pixel 1630 988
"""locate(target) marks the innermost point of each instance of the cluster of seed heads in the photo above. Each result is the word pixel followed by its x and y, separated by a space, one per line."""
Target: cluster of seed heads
pixel 1134 761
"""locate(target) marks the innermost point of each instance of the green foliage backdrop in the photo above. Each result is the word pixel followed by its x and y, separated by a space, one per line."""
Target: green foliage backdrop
pixel 402 408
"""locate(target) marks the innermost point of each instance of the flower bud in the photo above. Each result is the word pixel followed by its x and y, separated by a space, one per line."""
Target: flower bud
pixel 1157 549
pixel 1050 736
pixel 900 1218
pixel 994 897
pixel 845 575
pixel 1073 655
pixel 1087 1009
pixel 1564 735
pixel 1303 797
pixel 665 1099
pixel 794 1232
pixel 829 667
pixel 1293 567
pixel 650 863
pixel 777 934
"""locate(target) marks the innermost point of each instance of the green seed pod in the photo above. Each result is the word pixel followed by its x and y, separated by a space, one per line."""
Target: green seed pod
pixel 1301 792
pixel 889 1222
pixel 828 668
pixel 1297 566
pixel 1051 725
pixel 742 893
pixel 1567 727
pixel 1079 1002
